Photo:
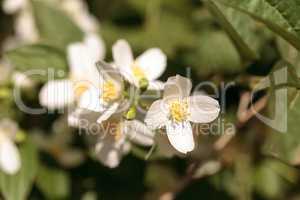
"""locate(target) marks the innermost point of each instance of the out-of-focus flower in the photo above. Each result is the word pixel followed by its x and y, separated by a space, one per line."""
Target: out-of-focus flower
pixel 105 97
pixel 21 80
pixel 25 28
pixel 114 136
pixel 59 144
pixel 177 109
pixel 143 71
pixel 78 11
pixel 10 161
pixel 82 57
pixel 13 6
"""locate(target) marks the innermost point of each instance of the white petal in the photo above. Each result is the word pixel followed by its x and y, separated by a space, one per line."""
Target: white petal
pixel 25 27
pixel 122 54
pixel 156 116
pixel 9 127
pixel 57 94
pixel 90 100
pixel 203 109
pixel 81 117
pixel 139 133
pixel 110 152
pixel 153 62
pixel 123 58
pixel 82 58
pixel 12 6
pixel 78 58
pixel 177 87
pixel 95 46
pixel 10 161
pixel 108 112
pixel 156 85
pixel 109 73
pixel 181 136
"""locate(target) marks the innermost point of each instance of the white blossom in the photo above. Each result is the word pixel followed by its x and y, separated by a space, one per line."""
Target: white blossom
pixel 177 110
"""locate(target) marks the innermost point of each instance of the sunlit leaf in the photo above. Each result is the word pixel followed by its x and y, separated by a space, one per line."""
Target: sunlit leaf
pixel 282 17
pixel 54 26
pixel 38 57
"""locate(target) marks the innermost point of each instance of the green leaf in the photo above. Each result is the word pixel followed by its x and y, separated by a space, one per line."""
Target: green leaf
pixel 18 186
pixel 247 35
pixel 282 17
pixel 54 26
pixel 53 183
pixel 285 146
pixel 209 58
pixel 40 57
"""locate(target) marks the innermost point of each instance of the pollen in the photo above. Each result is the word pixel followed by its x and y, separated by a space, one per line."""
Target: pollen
pixel 137 71
pixel 80 88
pixel 179 110
pixel 110 91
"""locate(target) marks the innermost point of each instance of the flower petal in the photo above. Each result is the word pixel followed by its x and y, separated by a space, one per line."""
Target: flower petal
pixel 153 62
pixel 177 87
pixel 123 59
pixel 156 116
pixel 109 73
pixel 110 152
pixel 57 94
pixel 108 112
pixel 156 85
pixel 95 46
pixel 139 133
pixel 10 161
pixel 82 58
pixel 181 136
pixel 122 54
pixel 90 100
pixel 203 109
pixel 12 6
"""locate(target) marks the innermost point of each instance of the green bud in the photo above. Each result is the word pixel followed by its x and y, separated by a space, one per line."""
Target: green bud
pixel 5 93
pixel 143 83
pixel 131 113
pixel 20 137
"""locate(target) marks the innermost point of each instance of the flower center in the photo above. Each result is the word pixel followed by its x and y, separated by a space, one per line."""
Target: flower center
pixel 80 88
pixel 179 110
pixel 110 91
pixel 137 71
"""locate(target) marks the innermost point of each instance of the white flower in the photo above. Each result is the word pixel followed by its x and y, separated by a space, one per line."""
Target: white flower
pixel 147 67
pixel 177 109
pixel 10 161
pixel 115 142
pixel 26 30
pixel 114 136
pixel 12 6
pixel 82 57
pixel 105 97
pixel 24 26
pixel 78 11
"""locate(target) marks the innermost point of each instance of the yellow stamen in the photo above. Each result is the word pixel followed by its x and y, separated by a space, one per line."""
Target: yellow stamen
pixel 179 110
pixel 110 91
pixel 137 71
pixel 80 88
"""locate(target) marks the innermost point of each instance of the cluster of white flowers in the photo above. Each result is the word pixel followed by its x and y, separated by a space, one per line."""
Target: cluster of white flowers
pixel 107 94
pixel 100 94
